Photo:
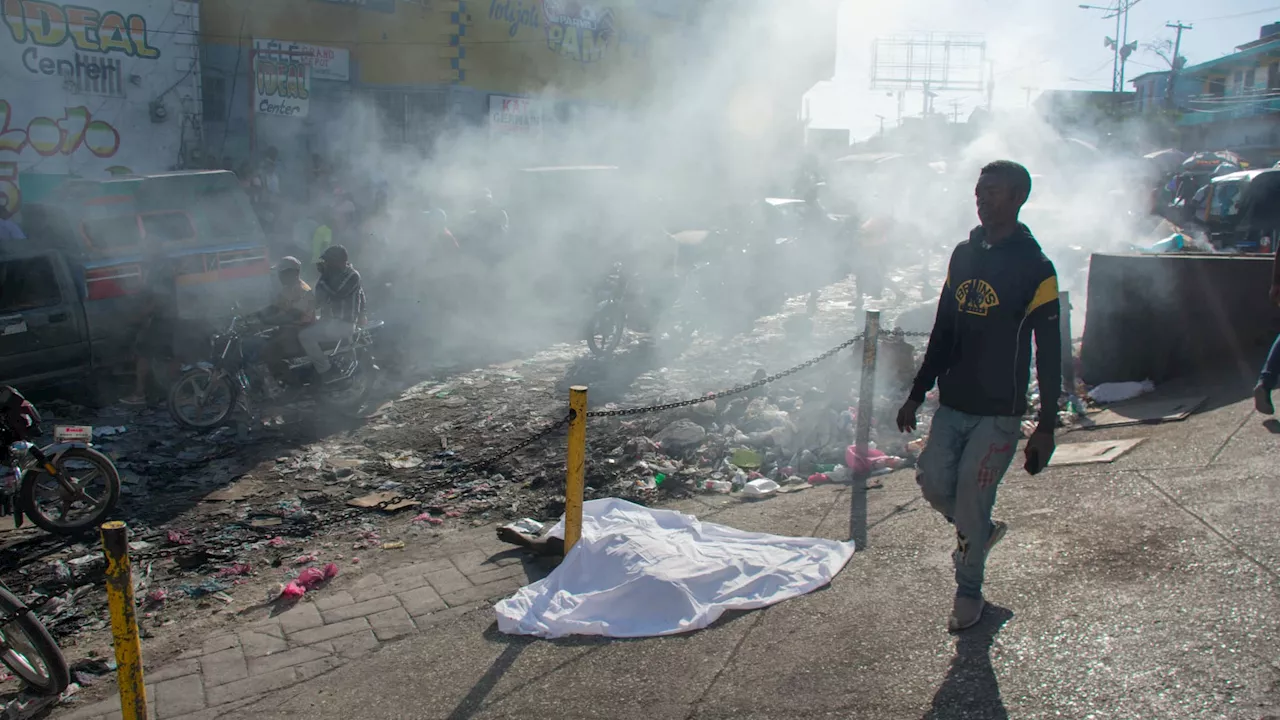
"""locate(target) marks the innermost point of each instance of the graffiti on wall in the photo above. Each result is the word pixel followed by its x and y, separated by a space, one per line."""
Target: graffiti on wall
pixel 574 30
pixel 76 130
pixel 282 81
pixel 50 25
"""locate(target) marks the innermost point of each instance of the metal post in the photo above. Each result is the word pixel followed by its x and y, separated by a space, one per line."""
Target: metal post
pixel 124 622
pixel 576 466
pixel 1068 351
pixel 862 439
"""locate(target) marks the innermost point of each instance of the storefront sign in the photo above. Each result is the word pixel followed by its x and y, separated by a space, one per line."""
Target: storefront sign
pixel 281 82
pixel 514 116
pixel 577 31
pixel 327 63
pixel 386 6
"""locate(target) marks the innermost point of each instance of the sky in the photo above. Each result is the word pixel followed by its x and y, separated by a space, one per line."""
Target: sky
pixel 1056 45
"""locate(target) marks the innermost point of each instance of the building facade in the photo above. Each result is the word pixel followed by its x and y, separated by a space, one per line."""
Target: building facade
pixel 1232 102
pixel 93 91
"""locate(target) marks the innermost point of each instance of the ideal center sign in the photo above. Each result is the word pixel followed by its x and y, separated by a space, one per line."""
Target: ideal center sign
pixel 281 81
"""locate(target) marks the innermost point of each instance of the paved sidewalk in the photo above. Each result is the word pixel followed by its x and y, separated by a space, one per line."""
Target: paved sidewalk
pixel 329 627
pixel 1142 589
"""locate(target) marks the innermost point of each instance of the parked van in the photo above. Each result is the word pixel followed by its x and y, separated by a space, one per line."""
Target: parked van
pixel 91 245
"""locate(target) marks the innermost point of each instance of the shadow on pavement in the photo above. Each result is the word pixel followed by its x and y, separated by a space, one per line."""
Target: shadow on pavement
pixel 970 689
pixel 474 701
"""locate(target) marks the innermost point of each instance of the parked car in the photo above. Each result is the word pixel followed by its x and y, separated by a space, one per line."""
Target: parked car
pixel 70 293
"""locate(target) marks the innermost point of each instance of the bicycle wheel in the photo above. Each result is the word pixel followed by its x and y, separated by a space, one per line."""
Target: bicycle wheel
pixel 62 510
pixel 27 649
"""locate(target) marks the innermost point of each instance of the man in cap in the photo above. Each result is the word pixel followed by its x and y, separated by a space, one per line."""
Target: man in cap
pixel 293 309
pixel 340 302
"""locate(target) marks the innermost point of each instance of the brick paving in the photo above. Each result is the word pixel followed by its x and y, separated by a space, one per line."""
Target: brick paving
pixel 318 634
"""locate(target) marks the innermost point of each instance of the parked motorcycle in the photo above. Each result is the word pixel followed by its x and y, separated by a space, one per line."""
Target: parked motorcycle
pixel 207 394
pixel 670 309
pixel 27 649
pixel 66 487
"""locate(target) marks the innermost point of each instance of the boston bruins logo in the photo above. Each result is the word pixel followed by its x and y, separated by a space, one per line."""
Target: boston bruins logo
pixel 976 297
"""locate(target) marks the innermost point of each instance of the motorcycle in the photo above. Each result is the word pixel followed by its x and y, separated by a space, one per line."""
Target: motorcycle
pixel 670 310
pixel 207 394
pixel 66 487
pixel 26 647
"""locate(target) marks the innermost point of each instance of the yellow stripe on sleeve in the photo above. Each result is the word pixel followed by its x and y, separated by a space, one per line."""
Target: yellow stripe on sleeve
pixel 1045 294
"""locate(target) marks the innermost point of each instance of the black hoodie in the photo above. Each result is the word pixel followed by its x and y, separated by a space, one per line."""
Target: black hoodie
pixel 980 349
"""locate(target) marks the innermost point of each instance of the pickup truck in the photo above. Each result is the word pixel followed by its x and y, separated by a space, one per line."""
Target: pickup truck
pixel 70 294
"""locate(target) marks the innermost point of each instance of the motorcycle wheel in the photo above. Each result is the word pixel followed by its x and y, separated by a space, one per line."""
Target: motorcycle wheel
pixel 88 470
pixel 27 649
pixel 196 387
pixel 606 329
pixel 354 394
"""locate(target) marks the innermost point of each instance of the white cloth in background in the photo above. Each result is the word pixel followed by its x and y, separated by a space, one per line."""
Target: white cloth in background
pixel 1118 391
pixel 640 572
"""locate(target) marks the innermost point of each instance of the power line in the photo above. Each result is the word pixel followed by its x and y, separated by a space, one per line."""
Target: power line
pixel 1263 11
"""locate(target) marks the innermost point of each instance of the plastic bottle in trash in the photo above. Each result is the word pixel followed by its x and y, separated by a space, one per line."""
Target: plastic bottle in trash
pixel 739 481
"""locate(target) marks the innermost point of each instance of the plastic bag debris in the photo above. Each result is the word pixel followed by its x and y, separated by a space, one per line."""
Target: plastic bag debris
pixel 760 488
pixel 179 537
pixel 403 460
pixel 234 570
pixel 1119 391
pixel 427 517
pixel 308 580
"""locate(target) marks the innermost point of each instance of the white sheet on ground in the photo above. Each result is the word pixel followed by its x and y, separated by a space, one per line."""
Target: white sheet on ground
pixel 640 572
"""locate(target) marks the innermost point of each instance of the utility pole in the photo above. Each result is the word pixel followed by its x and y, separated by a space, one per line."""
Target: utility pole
pixel 955 111
pixel 881 119
pixel 1120 43
pixel 991 85
pixel 1028 89
pixel 1173 62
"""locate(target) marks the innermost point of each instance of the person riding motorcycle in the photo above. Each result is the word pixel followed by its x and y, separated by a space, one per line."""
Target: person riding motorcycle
pixel 340 300
pixel 292 309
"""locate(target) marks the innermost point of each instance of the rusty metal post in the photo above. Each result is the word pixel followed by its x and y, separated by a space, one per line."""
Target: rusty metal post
pixel 862 438
pixel 124 622
pixel 1068 349
pixel 576 467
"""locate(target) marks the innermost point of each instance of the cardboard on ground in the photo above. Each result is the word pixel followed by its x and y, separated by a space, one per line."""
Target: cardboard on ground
pixel 1088 453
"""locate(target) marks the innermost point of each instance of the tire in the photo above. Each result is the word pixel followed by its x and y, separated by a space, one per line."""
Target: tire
pixel 221 382
pixel 25 643
pixel 353 402
pixel 609 323
pixel 96 515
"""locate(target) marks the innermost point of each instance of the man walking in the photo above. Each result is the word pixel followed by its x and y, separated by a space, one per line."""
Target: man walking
pixel 340 302
pixel 1000 289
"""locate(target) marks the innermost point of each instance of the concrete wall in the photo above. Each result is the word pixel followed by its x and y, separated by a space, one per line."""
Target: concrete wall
pixel 114 87
pixel 1166 316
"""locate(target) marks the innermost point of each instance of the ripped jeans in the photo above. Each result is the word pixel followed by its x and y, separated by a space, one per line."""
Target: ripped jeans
pixel 958 473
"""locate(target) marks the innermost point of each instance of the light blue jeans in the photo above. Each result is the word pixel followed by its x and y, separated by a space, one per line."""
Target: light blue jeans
pixel 959 471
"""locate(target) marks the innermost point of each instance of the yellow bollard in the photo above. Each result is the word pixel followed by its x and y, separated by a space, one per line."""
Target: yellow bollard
pixel 576 474
pixel 124 622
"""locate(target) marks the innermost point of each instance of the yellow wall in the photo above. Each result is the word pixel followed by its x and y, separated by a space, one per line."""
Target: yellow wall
pixel 408 47
pixel 617 55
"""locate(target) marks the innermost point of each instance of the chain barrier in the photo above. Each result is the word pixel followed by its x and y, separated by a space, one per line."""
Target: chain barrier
pixel 727 393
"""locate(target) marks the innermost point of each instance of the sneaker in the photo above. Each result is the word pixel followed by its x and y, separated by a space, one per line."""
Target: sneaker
pixel 1262 401
pixel 965 613
pixel 998 529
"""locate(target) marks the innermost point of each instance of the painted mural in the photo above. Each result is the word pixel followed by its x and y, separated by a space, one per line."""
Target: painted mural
pixel 570 44
pixel 91 91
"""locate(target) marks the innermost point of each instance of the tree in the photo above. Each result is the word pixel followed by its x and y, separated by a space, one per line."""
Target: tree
pixel 1164 49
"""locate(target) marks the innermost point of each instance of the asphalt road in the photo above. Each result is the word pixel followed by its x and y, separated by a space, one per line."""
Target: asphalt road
pixel 1146 588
